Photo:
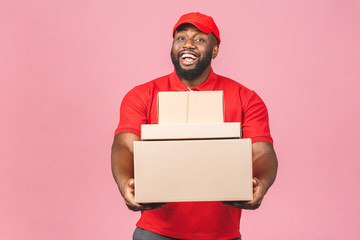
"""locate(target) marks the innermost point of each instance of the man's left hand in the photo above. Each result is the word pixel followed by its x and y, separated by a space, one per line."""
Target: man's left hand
pixel 258 195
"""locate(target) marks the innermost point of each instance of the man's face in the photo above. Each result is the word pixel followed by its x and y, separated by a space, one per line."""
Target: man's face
pixel 192 51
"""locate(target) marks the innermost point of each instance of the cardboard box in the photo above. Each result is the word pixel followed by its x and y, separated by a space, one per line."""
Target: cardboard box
pixel 193 170
pixel 190 131
pixel 191 107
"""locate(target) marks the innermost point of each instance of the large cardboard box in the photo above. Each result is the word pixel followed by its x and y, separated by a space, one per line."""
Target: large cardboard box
pixel 190 131
pixel 193 170
pixel 191 107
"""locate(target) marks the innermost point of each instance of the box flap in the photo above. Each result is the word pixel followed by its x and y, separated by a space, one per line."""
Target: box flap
pixel 172 107
pixel 206 107
pixel 191 107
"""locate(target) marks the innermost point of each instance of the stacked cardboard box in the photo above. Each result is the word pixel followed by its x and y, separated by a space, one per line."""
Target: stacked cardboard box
pixel 192 155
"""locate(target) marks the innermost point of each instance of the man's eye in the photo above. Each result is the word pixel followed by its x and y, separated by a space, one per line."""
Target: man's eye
pixel 200 40
pixel 181 38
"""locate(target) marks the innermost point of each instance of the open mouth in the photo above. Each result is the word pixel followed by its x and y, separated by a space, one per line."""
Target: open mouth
pixel 188 58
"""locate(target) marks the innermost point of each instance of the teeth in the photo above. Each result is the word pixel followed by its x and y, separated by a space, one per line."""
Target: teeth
pixel 187 55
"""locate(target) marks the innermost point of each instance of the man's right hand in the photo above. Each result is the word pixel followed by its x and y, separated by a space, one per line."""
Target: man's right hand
pixel 128 192
pixel 122 166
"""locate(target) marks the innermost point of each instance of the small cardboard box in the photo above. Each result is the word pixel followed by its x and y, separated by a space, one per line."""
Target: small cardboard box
pixel 191 107
pixel 193 170
pixel 190 131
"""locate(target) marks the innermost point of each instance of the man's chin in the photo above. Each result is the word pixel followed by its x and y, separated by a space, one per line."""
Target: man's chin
pixel 187 67
pixel 190 71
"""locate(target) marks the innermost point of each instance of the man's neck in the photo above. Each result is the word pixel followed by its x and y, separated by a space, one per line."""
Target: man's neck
pixel 199 80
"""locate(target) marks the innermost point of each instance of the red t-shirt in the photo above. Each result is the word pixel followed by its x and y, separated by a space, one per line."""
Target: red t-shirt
pixel 195 220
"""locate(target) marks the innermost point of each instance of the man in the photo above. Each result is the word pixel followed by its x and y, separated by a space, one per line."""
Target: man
pixel 196 43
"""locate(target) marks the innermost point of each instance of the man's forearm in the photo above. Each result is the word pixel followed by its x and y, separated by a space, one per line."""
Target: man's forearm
pixel 121 164
pixel 265 169
pixel 265 164
pixel 122 158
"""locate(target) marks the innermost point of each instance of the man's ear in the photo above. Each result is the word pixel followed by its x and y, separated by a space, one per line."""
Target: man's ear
pixel 215 51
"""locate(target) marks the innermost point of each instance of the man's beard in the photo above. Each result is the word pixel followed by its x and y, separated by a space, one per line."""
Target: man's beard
pixel 191 74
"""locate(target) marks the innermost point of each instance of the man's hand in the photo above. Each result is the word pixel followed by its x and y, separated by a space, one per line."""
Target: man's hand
pixel 122 165
pixel 128 193
pixel 258 195
pixel 264 171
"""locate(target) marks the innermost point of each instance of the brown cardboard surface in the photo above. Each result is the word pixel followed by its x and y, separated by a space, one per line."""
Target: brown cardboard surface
pixel 190 131
pixel 193 170
pixel 206 107
pixel 190 107
pixel 172 107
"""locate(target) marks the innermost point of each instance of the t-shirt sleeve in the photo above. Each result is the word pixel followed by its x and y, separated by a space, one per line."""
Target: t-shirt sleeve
pixel 255 123
pixel 133 112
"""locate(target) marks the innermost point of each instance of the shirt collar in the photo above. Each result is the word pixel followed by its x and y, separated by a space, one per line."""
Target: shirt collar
pixel 209 84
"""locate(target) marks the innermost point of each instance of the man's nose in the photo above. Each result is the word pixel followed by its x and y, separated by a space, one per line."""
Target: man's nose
pixel 189 43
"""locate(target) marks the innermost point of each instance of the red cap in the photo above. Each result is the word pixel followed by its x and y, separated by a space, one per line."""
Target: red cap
pixel 203 22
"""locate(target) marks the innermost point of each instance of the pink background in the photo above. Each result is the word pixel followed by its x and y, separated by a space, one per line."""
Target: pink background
pixel 66 65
